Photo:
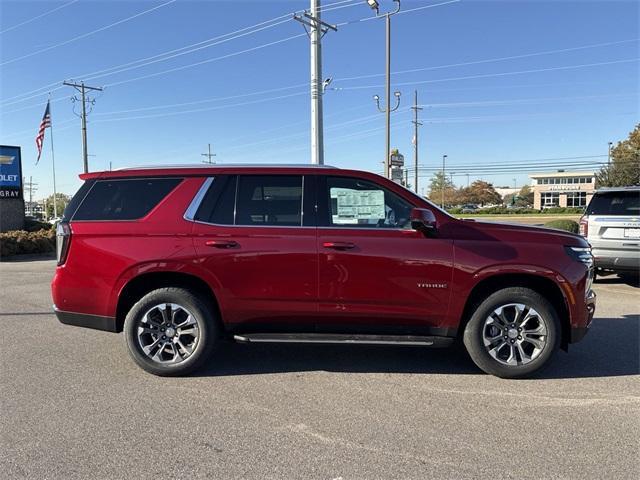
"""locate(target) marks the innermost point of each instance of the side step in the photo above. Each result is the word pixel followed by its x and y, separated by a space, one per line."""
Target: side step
pixel 339 338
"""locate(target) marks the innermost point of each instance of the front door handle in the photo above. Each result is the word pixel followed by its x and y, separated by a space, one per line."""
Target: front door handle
pixel 339 245
pixel 222 243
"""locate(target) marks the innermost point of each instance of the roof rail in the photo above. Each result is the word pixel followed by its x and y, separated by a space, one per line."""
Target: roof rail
pixel 226 165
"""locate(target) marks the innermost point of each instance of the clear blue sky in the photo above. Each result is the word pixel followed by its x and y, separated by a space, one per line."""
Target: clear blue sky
pixel 495 116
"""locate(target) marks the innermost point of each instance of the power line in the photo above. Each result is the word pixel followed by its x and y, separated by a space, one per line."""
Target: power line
pixel 85 35
pixel 13 27
pixel 229 55
pixel 235 34
pixel 93 76
pixel 491 60
pixel 500 74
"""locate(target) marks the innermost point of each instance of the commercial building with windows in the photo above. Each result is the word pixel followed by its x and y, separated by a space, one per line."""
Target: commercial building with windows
pixel 562 189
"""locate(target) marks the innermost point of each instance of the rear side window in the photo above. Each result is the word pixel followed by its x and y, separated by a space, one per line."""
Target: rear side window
pixel 615 203
pixel 218 204
pixel 124 199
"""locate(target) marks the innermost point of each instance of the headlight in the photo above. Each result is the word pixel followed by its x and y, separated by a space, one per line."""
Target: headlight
pixel 581 254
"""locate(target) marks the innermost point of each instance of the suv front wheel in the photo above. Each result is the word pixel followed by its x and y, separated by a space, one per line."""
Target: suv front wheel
pixel 170 332
pixel 512 333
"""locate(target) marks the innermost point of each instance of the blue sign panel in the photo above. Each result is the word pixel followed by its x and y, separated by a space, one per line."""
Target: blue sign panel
pixel 10 172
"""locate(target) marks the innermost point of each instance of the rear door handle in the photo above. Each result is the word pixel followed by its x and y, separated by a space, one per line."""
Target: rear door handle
pixel 339 245
pixel 222 243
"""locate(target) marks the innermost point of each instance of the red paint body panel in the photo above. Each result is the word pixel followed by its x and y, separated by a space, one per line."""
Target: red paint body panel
pixel 298 278
pixel 377 280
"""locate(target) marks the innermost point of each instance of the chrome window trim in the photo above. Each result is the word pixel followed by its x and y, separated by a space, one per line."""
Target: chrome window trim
pixel 190 213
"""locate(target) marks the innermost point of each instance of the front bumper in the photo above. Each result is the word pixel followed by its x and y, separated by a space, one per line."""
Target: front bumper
pixel 86 320
pixel 578 333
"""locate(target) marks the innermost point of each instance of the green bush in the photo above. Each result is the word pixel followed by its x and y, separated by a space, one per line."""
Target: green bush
pixel 33 225
pixel 454 210
pixel 563 210
pixel 563 224
pixel 19 242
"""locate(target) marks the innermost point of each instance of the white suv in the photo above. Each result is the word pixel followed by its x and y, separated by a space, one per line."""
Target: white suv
pixel 611 224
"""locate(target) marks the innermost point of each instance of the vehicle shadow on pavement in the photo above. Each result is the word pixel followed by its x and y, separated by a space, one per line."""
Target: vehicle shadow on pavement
pixel 631 280
pixel 610 349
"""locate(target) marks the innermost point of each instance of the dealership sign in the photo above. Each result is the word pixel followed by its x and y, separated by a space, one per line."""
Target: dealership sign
pixel 564 188
pixel 10 172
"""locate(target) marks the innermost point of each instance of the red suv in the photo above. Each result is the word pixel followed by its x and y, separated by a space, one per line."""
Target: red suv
pixel 181 258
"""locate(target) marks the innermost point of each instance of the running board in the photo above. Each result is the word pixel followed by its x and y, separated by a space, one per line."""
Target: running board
pixel 338 338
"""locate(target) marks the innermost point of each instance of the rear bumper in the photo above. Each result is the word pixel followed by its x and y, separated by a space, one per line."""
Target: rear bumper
pixel 618 260
pixel 578 333
pixel 86 320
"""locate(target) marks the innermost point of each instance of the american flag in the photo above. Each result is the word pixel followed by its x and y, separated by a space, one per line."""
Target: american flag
pixel 45 123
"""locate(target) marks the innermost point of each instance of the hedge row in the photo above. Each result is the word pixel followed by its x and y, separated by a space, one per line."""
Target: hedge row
pixel 563 224
pixel 518 211
pixel 20 242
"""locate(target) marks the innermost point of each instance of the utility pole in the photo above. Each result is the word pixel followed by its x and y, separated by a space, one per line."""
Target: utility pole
pixel 609 155
pixel 467 180
pixel 444 157
pixel 32 188
pixel 316 30
pixel 416 124
pixel 209 156
pixel 82 88
pixel 387 110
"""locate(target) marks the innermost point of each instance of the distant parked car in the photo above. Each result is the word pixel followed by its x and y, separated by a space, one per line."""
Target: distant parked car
pixel 611 224
pixel 469 208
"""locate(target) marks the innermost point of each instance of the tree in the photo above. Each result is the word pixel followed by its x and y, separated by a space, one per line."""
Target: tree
pixel 61 202
pixel 440 184
pixel 524 198
pixel 624 169
pixel 480 192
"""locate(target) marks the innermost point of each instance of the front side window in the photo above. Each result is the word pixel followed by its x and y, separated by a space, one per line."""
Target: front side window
pixel 127 199
pixel 352 202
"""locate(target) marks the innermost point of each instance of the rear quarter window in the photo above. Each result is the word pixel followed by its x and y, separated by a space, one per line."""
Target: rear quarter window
pixel 128 199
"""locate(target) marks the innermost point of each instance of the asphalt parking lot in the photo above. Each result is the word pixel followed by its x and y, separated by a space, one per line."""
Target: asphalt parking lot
pixel 72 405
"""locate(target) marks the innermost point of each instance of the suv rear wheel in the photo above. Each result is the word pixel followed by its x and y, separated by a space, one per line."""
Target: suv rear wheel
pixel 170 332
pixel 512 333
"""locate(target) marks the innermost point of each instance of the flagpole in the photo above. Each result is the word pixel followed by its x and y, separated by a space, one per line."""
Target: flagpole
pixel 53 163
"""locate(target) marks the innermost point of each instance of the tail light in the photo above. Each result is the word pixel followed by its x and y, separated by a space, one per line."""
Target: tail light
pixel 584 227
pixel 63 239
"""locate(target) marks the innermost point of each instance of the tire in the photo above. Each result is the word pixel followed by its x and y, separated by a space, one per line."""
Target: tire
pixel 512 353
pixel 171 332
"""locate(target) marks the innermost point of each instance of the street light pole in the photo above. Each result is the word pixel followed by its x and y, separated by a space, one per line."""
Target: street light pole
pixel 387 111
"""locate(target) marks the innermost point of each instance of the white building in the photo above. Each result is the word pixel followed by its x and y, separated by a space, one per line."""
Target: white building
pixel 562 189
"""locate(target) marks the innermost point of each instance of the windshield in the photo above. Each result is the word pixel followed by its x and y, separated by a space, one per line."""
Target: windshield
pixel 615 203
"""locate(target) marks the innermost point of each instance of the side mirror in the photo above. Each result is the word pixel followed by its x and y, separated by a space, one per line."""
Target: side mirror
pixel 423 220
